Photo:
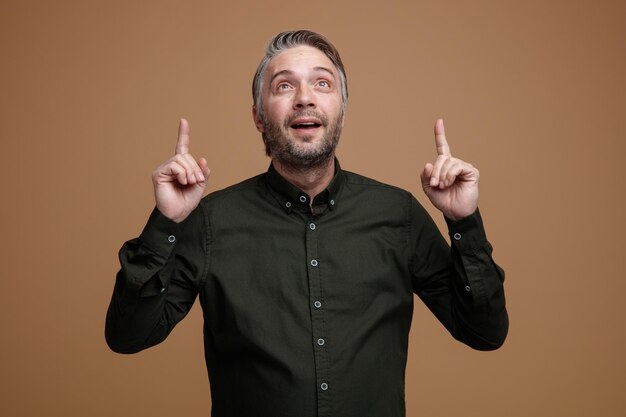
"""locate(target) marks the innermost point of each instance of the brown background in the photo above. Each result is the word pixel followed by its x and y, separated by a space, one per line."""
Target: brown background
pixel 533 93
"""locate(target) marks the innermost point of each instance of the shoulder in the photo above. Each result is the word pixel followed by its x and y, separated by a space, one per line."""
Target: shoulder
pixel 236 194
pixel 360 183
pixel 376 199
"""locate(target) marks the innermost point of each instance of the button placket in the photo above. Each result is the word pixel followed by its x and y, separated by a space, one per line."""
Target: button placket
pixel 314 269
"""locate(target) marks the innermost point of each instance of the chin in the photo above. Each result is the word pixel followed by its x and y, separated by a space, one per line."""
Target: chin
pixel 310 147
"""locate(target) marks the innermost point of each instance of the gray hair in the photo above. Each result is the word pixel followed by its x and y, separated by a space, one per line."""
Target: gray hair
pixel 291 39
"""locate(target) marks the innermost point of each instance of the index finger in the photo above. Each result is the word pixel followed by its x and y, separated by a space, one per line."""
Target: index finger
pixel 182 146
pixel 440 139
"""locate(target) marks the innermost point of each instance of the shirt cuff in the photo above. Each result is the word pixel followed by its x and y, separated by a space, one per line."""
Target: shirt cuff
pixel 468 233
pixel 160 234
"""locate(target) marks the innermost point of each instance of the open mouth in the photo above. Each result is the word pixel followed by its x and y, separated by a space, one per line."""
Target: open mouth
pixel 301 124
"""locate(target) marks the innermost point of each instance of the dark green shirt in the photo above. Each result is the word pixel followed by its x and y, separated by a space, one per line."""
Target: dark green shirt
pixel 307 311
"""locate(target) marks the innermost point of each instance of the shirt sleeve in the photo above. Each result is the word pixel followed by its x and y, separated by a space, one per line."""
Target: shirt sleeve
pixel 158 281
pixel 460 283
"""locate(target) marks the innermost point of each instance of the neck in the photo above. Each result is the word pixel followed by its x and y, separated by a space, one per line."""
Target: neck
pixel 311 180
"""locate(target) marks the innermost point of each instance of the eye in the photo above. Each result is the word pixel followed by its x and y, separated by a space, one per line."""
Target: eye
pixel 283 86
pixel 323 84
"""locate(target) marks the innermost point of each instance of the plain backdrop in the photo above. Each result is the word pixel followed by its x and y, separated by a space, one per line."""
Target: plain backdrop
pixel 533 93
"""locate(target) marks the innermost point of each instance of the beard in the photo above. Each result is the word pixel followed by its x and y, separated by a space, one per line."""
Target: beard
pixel 279 145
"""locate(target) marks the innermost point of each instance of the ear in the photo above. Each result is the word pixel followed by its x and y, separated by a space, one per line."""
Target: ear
pixel 257 120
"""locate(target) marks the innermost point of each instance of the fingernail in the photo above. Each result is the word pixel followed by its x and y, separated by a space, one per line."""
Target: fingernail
pixel 433 181
pixel 200 176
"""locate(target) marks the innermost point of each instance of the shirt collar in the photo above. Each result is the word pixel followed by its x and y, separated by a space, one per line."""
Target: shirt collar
pixel 290 196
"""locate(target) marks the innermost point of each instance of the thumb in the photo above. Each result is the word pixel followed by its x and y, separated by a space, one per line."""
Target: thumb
pixel 204 166
pixel 425 176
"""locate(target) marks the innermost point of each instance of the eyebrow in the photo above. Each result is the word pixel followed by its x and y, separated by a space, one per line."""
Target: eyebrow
pixel 289 72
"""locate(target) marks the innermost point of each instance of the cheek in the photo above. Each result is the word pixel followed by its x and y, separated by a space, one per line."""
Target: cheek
pixel 331 101
pixel 332 109
pixel 277 111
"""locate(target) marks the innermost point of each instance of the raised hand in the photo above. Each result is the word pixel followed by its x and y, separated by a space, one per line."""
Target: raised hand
pixel 450 184
pixel 179 183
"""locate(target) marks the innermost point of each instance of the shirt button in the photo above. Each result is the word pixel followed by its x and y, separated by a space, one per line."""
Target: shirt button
pixel 171 238
pixel 302 199
pixel 320 342
pixel 312 226
pixel 163 289
pixel 467 288
pixel 457 236
pixel 324 386
pixel 314 262
pixel 317 304
pixel 287 204
pixel 332 202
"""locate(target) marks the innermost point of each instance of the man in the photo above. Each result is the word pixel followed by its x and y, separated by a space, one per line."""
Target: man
pixel 306 273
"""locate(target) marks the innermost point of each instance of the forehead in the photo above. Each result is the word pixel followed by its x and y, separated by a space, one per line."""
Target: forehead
pixel 300 59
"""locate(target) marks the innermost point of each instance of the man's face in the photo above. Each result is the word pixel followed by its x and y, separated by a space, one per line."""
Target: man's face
pixel 303 107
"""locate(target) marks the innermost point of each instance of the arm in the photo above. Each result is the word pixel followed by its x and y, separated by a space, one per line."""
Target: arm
pixel 462 285
pixel 162 269
pixel 157 283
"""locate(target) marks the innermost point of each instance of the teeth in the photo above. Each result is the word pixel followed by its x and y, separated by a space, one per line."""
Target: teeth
pixel 305 124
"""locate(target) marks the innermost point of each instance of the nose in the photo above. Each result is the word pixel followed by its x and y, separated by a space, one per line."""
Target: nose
pixel 304 98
